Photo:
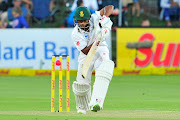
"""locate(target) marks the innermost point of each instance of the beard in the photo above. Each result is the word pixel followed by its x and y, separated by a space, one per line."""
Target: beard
pixel 86 28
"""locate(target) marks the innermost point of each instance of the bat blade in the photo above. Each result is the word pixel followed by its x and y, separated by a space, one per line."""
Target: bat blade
pixel 90 56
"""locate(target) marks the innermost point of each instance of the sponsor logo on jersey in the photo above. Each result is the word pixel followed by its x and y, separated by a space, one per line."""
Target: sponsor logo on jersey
pixel 78 43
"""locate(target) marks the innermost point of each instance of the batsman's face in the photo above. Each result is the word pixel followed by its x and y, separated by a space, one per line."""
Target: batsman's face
pixel 84 25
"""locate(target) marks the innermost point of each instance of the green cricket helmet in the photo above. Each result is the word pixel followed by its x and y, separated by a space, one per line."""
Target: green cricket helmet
pixel 82 13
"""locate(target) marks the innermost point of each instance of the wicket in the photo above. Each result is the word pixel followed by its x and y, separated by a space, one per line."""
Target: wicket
pixel 60 83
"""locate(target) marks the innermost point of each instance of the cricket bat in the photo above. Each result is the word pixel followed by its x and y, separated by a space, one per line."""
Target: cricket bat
pixel 90 55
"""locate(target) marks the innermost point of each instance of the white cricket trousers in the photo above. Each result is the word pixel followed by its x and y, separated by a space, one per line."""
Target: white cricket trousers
pixel 101 54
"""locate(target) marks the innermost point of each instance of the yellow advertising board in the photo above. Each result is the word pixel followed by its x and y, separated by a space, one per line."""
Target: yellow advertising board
pixel 31 72
pixel 162 58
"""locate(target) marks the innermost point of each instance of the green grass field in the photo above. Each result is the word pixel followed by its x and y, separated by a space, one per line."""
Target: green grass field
pixel 129 98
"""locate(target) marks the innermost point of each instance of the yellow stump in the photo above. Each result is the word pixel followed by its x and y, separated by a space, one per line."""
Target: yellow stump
pixel 68 85
pixel 53 84
pixel 60 85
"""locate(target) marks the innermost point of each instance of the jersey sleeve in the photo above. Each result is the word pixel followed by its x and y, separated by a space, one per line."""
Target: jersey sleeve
pixel 24 23
pixel 96 17
pixel 79 42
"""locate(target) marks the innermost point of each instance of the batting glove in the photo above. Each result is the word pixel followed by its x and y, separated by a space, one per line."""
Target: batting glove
pixel 106 22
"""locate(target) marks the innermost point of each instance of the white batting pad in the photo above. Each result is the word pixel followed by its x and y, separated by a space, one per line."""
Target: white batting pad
pixel 82 94
pixel 102 79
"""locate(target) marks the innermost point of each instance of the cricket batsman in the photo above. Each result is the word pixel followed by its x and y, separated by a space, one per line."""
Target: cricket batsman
pixel 86 28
